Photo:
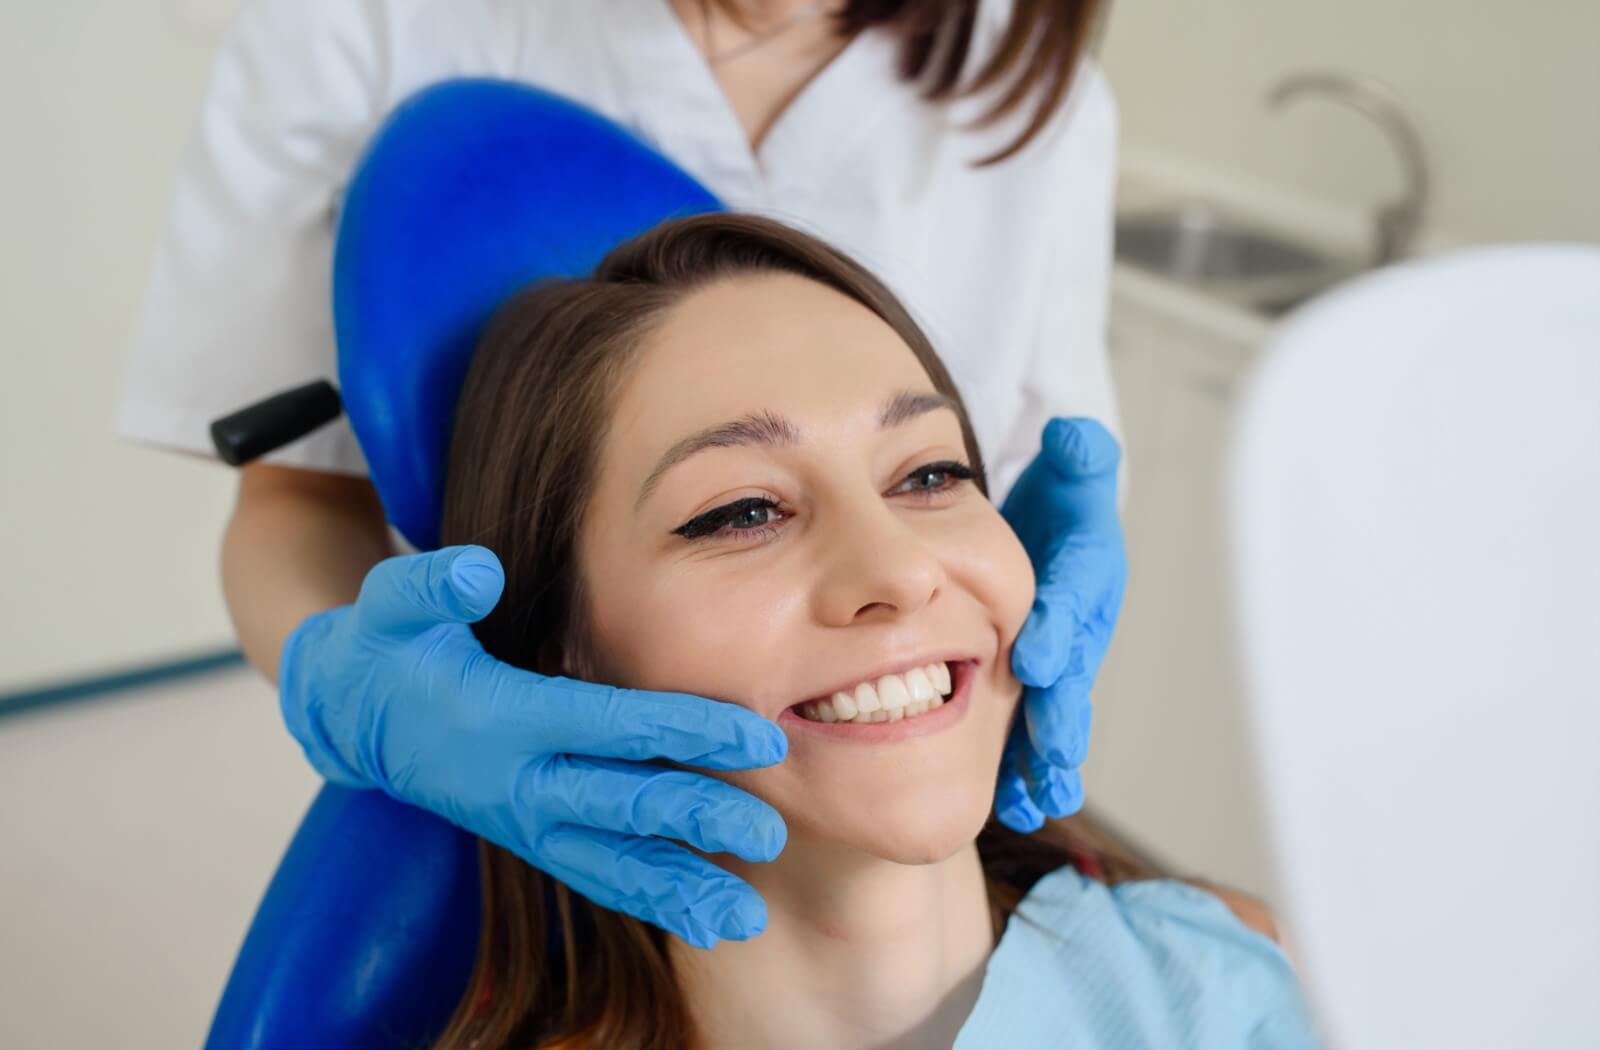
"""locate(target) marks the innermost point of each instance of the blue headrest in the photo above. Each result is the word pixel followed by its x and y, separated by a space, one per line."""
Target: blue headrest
pixel 366 936
pixel 471 190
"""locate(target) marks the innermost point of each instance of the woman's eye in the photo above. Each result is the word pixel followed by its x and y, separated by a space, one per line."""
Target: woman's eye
pixel 750 515
pixel 758 516
pixel 934 477
pixel 750 518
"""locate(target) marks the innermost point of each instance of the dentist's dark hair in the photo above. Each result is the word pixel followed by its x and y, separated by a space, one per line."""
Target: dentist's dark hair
pixel 555 970
pixel 1034 61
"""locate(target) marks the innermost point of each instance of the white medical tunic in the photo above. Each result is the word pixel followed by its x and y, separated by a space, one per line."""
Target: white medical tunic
pixel 1005 266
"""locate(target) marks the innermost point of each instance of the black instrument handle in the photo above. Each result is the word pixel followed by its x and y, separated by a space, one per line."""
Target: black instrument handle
pixel 269 425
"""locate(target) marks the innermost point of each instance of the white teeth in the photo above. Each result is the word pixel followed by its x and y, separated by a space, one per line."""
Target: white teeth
pixel 891 698
pixel 844 706
pixel 892 691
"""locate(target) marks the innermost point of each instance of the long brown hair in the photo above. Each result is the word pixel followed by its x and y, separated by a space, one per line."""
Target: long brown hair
pixel 1036 58
pixel 554 969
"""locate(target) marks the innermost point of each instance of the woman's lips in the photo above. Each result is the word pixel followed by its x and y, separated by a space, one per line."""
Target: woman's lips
pixel 953 710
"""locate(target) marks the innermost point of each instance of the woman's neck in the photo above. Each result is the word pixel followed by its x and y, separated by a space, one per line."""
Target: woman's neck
pixel 858 952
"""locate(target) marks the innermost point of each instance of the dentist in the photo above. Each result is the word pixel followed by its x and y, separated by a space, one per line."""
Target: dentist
pixel 962 149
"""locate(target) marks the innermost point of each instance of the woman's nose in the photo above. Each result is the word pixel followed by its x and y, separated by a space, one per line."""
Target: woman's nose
pixel 876 568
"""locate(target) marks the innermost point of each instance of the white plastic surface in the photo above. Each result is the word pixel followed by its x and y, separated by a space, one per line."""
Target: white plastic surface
pixel 1416 534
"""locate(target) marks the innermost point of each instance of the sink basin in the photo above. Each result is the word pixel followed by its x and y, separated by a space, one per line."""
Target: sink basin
pixel 1208 249
pixel 1199 244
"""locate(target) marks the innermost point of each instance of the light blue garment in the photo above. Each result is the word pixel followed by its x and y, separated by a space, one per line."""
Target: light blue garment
pixel 1138 966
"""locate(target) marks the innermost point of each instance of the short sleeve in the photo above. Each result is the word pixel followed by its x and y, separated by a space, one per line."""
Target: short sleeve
pixel 238 306
pixel 1068 372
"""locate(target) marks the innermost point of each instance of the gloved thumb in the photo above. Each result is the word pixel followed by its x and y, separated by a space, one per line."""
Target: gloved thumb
pixel 1084 457
pixel 413 592
pixel 1080 448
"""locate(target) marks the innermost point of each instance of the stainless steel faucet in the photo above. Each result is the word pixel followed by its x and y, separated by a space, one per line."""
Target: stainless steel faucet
pixel 1399 220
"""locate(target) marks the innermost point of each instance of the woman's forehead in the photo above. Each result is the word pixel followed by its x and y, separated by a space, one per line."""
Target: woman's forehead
pixel 777 344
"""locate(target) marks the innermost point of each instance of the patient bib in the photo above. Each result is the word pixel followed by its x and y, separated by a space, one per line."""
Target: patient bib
pixel 1141 965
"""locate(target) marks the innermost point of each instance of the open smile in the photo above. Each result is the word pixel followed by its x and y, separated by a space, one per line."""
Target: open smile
pixel 922 700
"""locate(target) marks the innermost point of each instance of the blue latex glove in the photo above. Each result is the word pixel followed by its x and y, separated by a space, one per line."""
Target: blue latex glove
pixel 1064 509
pixel 395 692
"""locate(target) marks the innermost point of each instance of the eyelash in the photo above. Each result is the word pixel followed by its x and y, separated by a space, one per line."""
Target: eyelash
pixel 716 521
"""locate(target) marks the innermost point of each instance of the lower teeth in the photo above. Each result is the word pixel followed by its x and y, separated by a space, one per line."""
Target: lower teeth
pixel 880 715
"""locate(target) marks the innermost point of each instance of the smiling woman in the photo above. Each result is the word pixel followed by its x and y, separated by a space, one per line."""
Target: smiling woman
pixel 730 464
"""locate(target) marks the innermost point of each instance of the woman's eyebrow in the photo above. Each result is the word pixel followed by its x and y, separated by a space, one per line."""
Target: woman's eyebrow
pixel 760 428
pixel 909 404
pixel 774 431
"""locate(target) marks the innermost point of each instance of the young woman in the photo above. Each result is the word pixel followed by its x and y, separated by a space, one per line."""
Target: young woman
pixel 965 149
pixel 757 481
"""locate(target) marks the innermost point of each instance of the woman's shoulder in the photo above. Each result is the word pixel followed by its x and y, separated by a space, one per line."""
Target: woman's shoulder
pixel 1157 962
pixel 1252 911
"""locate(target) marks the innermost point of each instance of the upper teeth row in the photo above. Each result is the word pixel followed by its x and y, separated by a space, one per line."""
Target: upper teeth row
pixel 889 699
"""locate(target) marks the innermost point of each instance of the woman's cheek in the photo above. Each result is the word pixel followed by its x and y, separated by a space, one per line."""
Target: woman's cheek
pixel 1015 583
pixel 990 563
pixel 690 633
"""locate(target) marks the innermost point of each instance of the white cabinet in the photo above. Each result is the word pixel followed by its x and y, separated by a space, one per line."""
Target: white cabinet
pixel 1170 760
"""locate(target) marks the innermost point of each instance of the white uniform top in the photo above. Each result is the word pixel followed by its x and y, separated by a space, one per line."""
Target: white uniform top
pixel 1006 266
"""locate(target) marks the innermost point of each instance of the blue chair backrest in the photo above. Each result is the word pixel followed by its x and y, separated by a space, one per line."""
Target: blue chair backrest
pixel 470 191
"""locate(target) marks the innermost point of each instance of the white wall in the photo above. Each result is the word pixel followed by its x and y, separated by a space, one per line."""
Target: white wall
pixel 136 838
pixel 1507 97
pixel 110 550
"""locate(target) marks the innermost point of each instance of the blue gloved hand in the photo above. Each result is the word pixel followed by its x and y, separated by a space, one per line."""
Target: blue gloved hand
pixel 395 692
pixel 1064 509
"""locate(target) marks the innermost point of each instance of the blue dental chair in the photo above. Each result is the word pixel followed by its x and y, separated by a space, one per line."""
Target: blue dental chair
pixel 472 189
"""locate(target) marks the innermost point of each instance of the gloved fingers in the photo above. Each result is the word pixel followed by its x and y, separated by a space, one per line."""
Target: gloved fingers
pixel 1064 796
pixel 1058 719
pixel 600 721
pixel 1078 593
pixel 1031 790
pixel 1045 645
pixel 408 594
pixel 1012 806
pixel 1084 458
pixel 636 799
pixel 1054 792
pixel 656 881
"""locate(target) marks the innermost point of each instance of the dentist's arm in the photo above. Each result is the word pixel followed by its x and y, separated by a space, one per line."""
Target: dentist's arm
pixel 384 685
pixel 299 542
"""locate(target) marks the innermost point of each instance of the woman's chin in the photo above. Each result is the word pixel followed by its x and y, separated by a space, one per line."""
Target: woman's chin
pixel 923 830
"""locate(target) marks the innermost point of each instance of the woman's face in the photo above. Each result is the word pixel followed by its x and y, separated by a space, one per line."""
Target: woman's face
pixel 778 518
